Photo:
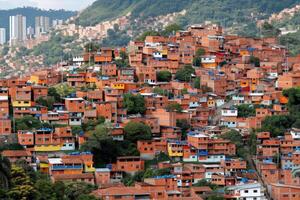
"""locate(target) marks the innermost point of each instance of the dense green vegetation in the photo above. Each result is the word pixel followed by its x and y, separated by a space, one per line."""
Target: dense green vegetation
pixel 116 38
pixel 255 61
pixel 246 110
pixel 174 107
pixel 54 49
pixel 103 10
pixel 184 126
pixel 236 138
pixel 164 76
pixel 185 74
pixel 135 104
pixel 292 41
pixel 278 124
pixel 135 131
pixel 28 123
pixel 106 150
pixel 197 83
pixel 20 182
pixel 197 58
pixel 227 12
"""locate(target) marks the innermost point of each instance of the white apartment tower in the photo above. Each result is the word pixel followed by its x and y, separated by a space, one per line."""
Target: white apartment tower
pixel 17 29
pixel 42 25
pixel 2 36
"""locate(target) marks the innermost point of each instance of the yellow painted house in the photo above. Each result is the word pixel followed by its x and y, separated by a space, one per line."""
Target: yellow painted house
pixel 118 86
pixel 175 150
pixel 21 103
pixel 244 52
pixel 42 148
pixel 34 79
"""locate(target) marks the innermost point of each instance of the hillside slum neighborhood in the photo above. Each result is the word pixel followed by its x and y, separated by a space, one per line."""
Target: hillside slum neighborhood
pixel 192 86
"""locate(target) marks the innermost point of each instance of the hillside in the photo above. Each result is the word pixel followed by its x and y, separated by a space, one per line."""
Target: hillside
pixel 227 11
pixel 30 14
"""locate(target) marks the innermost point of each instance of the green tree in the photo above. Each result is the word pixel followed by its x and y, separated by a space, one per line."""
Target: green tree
pixel 197 83
pixel 252 143
pixel 255 61
pixel 277 124
pixel 296 124
pixel 27 123
pixel 215 197
pixel 87 197
pixel 91 124
pixel 64 90
pixel 5 171
pixel 59 189
pixel 185 73
pixel 200 52
pixel 101 132
pixel 77 130
pixel 149 173
pixel 147 33
pixel 76 190
pixel 27 169
pixel 135 131
pixel 171 29
pixel 197 61
pixel 134 103
pixel 164 76
pixel 246 110
pixel 5 51
pixel 91 47
pixel 46 101
pixel 45 190
pixel 204 182
pixel 184 91
pixel 53 93
pixel 123 61
pixel 293 94
pixel 22 188
pixel 184 125
pixel 236 138
pixel 129 180
pixel 269 30
pixel 197 58
pixel 174 107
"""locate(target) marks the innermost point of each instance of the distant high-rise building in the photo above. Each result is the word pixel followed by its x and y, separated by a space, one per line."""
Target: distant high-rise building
pixel 30 32
pixel 42 25
pixel 57 22
pixel 17 29
pixel 2 36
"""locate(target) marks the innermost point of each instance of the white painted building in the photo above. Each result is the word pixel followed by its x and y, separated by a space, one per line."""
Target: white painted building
pixel 249 191
pixel 229 112
pixel 208 59
pixel 17 29
pixel 2 36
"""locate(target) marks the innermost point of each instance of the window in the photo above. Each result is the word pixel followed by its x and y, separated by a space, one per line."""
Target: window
pixel 255 191
pixel 246 191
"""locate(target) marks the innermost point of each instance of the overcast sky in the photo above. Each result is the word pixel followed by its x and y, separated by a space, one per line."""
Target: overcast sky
pixel 47 4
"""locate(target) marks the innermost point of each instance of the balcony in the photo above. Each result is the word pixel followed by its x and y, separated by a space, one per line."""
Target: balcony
pixel 64 167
